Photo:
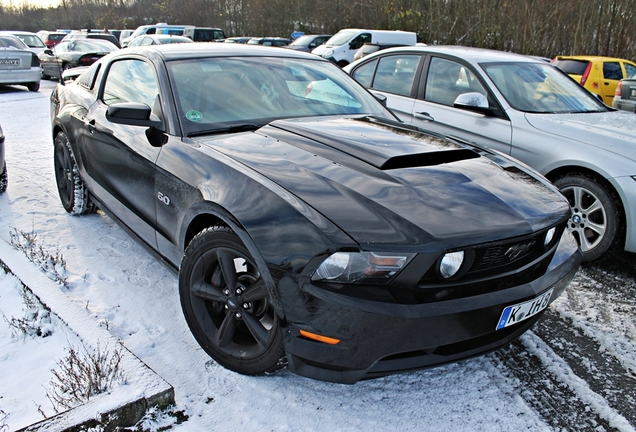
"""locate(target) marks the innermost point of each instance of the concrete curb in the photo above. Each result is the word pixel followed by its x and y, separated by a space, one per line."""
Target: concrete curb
pixel 122 407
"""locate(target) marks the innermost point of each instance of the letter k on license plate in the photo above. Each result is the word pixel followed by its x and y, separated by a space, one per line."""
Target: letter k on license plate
pixel 522 311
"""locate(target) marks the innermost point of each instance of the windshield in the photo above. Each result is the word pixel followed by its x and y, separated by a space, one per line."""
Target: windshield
pixel 302 41
pixel 32 41
pixel 216 93
pixel 541 88
pixel 341 37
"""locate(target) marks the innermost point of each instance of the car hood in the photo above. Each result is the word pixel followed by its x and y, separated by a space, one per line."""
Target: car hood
pixel 613 131
pixel 385 184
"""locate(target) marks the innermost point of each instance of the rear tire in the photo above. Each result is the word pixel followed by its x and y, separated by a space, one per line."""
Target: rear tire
pixel 33 87
pixel 70 186
pixel 597 219
pixel 227 306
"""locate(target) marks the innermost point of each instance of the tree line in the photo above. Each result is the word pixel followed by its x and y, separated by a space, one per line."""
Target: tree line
pixel 534 27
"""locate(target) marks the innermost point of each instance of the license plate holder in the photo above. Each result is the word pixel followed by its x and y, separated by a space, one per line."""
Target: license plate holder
pixel 522 311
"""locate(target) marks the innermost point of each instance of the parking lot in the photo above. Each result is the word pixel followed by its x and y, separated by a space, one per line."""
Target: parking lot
pixel 576 370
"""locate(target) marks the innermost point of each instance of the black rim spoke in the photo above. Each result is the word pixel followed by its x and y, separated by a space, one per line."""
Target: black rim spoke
pixel 226 263
pixel 256 291
pixel 227 330
pixel 260 333
pixel 208 292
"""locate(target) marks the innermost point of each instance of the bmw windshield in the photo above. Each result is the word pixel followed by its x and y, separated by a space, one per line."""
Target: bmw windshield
pixel 541 88
pixel 223 92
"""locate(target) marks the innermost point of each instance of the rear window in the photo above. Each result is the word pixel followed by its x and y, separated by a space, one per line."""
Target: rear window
pixel 573 67
pixel 56 37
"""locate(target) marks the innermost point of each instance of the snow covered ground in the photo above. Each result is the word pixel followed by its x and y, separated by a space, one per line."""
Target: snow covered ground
pixel 130 293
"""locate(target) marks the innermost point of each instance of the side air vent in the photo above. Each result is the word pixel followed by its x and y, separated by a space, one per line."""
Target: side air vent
pixel 428 159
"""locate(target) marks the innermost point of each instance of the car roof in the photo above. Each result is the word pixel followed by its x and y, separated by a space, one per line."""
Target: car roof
pixel 213 49
pixel 591 58
pixel 477 55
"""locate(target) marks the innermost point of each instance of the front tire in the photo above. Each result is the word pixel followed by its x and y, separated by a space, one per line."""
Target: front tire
pixel 227 306
pixel 70 186
pixel 33 87
pixel 4 179
pixel 597 219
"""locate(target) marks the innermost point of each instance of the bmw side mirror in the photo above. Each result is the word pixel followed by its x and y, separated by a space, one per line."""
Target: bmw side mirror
pixel 472 101
pixel 380 97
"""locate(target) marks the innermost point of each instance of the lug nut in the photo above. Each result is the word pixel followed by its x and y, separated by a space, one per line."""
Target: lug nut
pixel 238 314
pixel 246 305
pixel 226 292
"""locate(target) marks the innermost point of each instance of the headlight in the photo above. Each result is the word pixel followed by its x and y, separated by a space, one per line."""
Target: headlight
pixel 450 264
pixel 369 267
pixel 327 53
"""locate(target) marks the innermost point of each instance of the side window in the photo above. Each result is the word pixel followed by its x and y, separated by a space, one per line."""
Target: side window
pixel 364 74
pixel 448 79
pixel 130 81
pixel 151 31
pixel 360 40
pixel 629 70
pixel 87 78
pixel 395 74
pixel 612 70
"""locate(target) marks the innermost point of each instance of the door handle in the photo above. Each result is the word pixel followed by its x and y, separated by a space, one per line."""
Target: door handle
pixel 424 116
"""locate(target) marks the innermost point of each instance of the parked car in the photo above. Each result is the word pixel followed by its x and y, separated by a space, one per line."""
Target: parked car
pixel 163 28
pixel 238 39
pixel 269 41
pixel 18 64
pixel 31 40
pixel 204 34
pixel 124 35
pixel 4 178
pixel 158 40
pixel 599 75
pixel 370 48
pixel 342 46
pixel 51 38
pixel 73 53
pixel 530 110
pixel 305 221
pixel 77 35
pixel 307 43
pixel 625 94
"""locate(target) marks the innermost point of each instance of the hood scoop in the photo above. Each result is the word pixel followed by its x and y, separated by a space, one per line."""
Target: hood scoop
pixel 381 145
pixel 428 159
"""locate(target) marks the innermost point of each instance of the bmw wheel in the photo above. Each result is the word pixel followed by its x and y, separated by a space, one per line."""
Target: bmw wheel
pixel 597 219
pixel 70 186
pixel 226 304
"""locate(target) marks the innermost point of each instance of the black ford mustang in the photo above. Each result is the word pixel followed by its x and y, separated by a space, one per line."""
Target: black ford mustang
pixel 308 226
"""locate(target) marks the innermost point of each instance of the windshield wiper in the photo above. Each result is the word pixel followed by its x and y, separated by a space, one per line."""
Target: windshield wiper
pixel 242 127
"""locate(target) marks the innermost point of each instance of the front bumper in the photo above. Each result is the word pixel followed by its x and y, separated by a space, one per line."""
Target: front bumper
pixel 382 338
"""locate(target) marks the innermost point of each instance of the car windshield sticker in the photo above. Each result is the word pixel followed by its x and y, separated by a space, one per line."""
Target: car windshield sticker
pixel 193 115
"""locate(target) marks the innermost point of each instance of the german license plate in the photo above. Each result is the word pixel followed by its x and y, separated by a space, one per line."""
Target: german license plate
pixel 522 311
pixel 9 62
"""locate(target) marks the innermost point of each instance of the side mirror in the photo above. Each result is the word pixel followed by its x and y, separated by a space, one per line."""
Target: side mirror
pixel 133 114
pixel 473 101
pixel 380 97
pixel 48 52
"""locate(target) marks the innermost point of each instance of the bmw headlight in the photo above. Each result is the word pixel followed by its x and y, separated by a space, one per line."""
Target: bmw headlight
pixel 369 267
pixel 450 264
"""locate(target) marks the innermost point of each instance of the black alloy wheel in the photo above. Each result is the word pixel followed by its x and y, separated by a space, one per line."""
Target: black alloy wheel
pixel 226 304
pixel 71 188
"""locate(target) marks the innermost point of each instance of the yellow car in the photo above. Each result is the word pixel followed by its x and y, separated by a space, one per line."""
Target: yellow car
pixel 599 75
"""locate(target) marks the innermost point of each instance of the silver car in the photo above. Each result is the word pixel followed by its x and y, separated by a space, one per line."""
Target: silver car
pixel 530 110
pixel 18 65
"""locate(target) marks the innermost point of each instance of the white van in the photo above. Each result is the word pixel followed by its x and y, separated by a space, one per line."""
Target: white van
pixel 161 28
pixel 342 46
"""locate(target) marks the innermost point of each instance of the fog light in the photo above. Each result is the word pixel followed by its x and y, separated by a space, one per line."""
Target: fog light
pixel 451 263
pixel 549 236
